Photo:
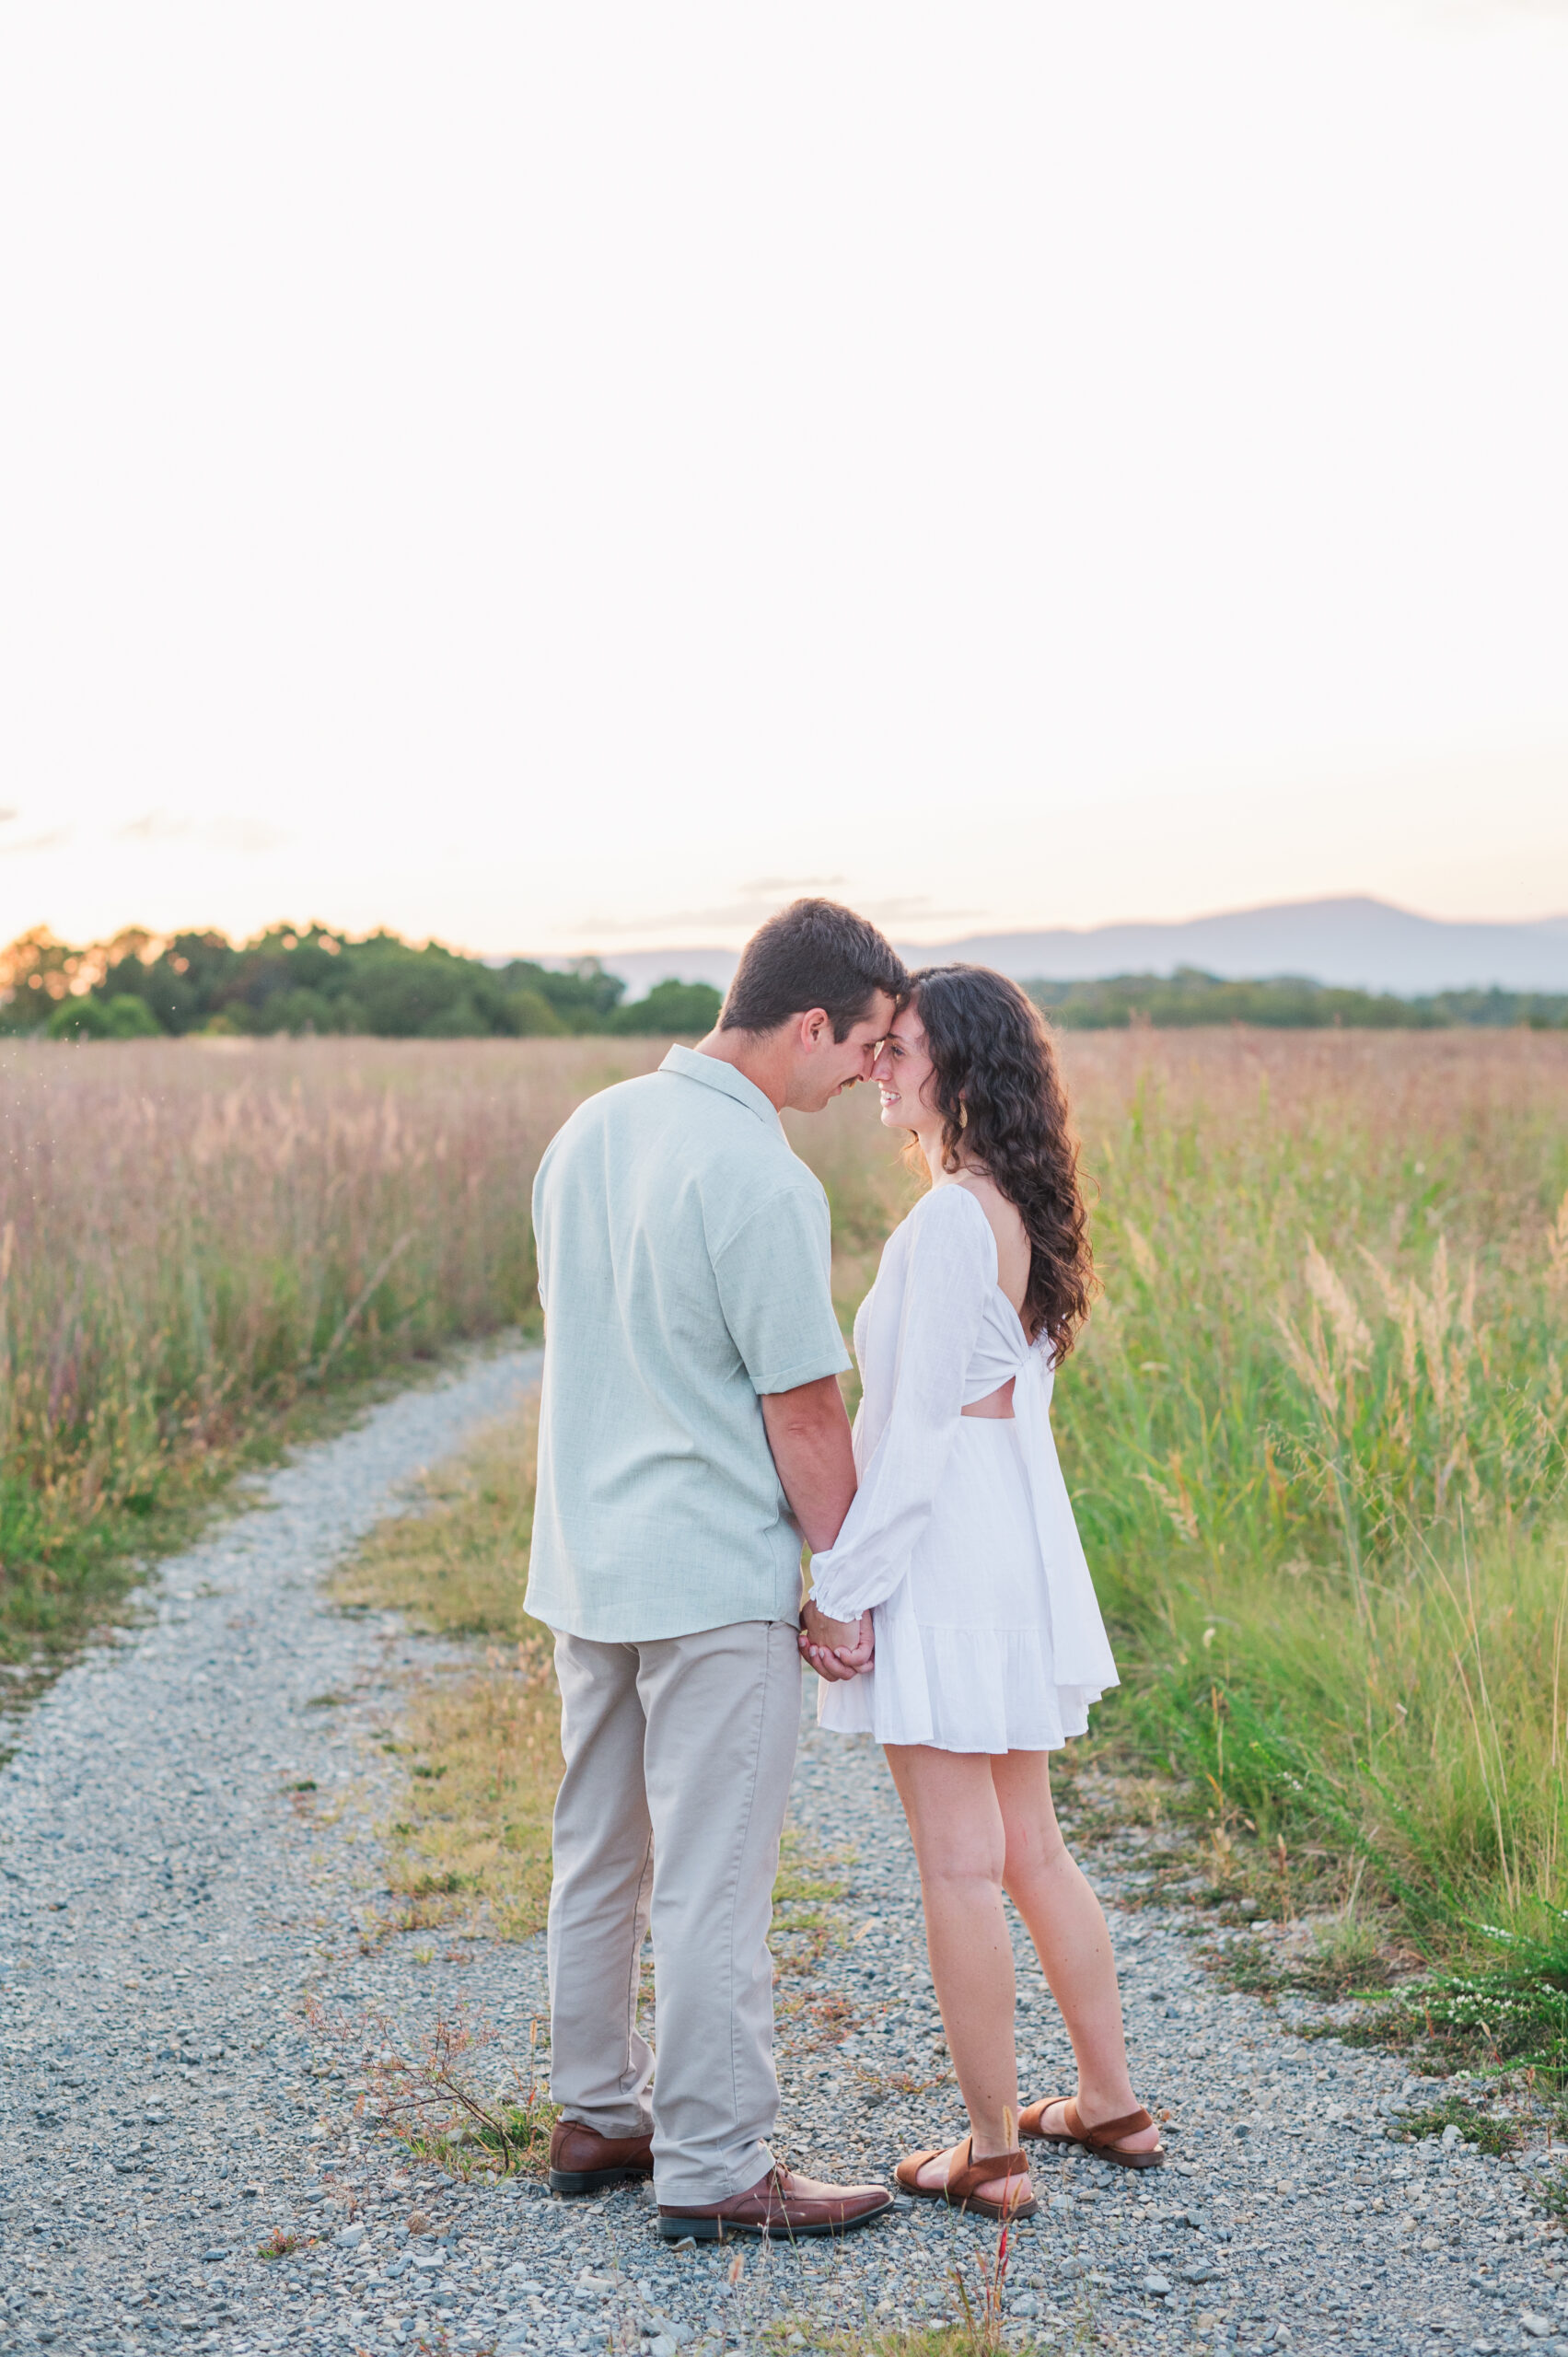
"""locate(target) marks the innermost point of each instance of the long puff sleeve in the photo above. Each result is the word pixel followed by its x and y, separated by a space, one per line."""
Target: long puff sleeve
pixel 949 1276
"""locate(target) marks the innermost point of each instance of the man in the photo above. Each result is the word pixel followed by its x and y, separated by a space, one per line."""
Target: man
pixel 691 1430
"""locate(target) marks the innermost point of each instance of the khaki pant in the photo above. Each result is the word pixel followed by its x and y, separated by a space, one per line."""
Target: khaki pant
pixel 678 1753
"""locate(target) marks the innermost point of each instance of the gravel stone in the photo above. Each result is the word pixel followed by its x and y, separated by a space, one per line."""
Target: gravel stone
pixel 180 1928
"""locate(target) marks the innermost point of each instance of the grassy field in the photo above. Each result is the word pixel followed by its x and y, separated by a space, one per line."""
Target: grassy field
pixel 1315 1434
pixel 1316 1439
pixel 201 1242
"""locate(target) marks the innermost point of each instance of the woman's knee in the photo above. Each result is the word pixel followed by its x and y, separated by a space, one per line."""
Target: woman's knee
pixel 974 1886
pixel 1031 1836
pixel 1034 1852
pixel 953 1850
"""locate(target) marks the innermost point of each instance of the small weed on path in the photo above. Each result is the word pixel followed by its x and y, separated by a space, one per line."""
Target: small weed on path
pixel 919 2340
pixel 457 2100
pixel 280 2243
pixel 982 2299
pixel 1491 2134
pixel 1551 2196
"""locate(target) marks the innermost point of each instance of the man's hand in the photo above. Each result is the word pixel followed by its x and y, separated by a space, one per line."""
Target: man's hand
pixel 836 1649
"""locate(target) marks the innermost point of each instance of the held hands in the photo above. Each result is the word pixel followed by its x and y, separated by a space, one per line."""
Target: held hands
pixel 835 1649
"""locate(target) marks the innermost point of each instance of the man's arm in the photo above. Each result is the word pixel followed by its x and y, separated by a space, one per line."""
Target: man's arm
pixel 808 1433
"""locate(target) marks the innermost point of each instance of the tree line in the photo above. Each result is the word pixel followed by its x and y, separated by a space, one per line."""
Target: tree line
pixel 307 978
pixel 1190 996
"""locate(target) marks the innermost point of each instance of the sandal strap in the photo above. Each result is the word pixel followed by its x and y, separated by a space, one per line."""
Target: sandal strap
pixel 1031 2119
pixel 908 2171
pixel 966 2180
pixel 1031 2122
pixel 1107 2131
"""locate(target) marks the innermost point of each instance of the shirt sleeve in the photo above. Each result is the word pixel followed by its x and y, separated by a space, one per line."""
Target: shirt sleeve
pixel 775 1289
pixel 951 1271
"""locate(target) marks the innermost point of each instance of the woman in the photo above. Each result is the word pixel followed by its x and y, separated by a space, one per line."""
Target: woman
pixel 985 1646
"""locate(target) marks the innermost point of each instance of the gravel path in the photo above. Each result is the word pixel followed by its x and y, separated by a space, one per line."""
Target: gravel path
pixel 180 1932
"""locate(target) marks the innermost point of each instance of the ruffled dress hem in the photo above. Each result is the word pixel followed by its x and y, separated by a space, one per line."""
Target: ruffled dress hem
pixel 958 1689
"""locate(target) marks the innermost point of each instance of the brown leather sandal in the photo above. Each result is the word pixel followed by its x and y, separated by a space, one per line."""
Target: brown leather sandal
pixel 1099 2139
pixel 961 2189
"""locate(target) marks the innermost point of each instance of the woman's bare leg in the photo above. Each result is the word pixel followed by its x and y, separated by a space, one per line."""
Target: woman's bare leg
pixel 960 1845
pixel 1067 1925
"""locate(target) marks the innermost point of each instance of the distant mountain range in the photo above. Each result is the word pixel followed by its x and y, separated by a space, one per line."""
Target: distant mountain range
pixel 1358 943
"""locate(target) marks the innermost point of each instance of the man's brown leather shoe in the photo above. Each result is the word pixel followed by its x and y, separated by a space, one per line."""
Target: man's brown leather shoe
pixel 781 2203
pixel 581 2160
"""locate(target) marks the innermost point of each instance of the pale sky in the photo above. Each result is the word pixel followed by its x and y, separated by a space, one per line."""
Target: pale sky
pixel 559 477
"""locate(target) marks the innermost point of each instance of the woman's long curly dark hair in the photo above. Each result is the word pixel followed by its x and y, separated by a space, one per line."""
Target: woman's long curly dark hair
pixel 996 1086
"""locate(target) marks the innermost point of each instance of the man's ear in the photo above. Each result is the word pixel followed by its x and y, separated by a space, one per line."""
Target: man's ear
pixel 813 1023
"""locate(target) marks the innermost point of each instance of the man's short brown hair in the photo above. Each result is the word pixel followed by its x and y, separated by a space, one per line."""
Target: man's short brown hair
pixel 812 954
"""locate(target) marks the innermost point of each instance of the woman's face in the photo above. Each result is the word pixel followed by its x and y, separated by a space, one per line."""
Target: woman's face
pixel 903 1072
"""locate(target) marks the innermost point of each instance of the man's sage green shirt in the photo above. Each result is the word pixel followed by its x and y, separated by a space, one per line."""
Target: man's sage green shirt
pixel 683 1264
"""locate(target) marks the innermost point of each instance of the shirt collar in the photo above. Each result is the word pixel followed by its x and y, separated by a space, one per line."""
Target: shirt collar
pixel 713 1074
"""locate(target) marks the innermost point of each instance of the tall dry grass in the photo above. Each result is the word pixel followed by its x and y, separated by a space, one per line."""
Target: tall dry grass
pixel 193 1233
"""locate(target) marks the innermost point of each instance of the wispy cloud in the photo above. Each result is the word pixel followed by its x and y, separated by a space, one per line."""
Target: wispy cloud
pixel 156 827
pixel 15 846
pixel 918 910
pixel 239 834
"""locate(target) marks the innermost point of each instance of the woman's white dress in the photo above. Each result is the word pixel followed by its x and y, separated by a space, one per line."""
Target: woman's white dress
pixel 960 1539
